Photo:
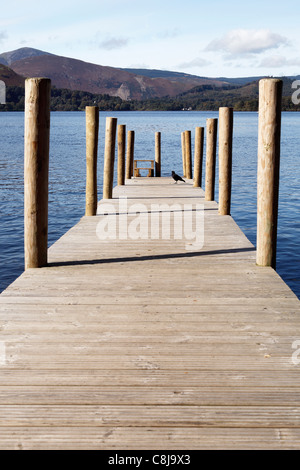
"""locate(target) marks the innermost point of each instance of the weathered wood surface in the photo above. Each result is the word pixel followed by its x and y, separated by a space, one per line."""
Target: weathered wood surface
pixel 36 169
pixel 142 344
pixel 92 133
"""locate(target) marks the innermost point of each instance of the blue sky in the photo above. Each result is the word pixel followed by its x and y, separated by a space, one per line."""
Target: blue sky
pixel 218 38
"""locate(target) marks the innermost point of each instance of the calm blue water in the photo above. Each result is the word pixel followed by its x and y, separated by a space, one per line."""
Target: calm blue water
pixel 67 176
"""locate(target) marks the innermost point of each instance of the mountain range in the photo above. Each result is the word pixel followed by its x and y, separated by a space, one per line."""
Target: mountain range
pixel 74 74
pixel 153 89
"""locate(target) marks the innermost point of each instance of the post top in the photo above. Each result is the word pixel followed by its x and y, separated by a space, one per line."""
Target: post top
pixel 37 79
pixel 274 80
pixel 226 108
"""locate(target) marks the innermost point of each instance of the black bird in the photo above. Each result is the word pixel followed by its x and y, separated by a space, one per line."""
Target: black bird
pixel 176 177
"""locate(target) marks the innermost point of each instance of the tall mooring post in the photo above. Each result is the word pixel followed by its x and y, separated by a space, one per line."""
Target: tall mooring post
pixel 109 157
pixel 188 154
pixel 92 131
pixel 211 147
pixel 129 154
pixel 198 156
pixel 225 159
pixel 36 170
pixel 157 153
pixel 269 129
pixel 183 153
pixel 121 154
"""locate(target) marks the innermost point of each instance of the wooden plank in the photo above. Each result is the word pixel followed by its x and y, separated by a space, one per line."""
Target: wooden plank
pixel 264 361
pixel 147 416
pixel 170 394
pixel 161 332
pixel 263 381
pixel 132 438
pixel 184 348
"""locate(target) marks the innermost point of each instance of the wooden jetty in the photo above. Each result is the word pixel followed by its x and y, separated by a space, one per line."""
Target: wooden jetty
pixel 145 344
pixel 154 323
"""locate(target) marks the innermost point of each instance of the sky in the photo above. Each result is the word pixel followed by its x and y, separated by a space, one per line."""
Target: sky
pixel 217 38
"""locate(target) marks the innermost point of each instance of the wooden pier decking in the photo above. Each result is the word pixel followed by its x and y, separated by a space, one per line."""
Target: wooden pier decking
pixel 150 344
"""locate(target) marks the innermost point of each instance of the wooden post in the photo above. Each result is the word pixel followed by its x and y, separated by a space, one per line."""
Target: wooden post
pixel 109 157
pixel 36 170
pixel 92 130
pixel 225 159
pixel 198 157
pixel 157 154
pixel 130 154
pixel 183 153
pixel 188 154
pixel 211 145
pixel 269 128
pixel 121 154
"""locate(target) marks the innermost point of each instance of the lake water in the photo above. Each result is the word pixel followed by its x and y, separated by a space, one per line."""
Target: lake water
pixel 67 176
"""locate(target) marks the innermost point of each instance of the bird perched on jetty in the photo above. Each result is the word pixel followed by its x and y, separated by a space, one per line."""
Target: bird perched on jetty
pixel 176 177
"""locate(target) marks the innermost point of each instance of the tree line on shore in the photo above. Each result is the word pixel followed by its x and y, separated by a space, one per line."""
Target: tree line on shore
pixel 204 98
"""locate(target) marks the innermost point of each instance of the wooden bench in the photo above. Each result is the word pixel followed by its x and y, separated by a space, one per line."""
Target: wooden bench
pixel 137 169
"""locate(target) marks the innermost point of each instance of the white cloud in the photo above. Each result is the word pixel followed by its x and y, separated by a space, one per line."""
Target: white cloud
pixel 114 43
pixel 247 41
pixel 197 62
pixel 3 35
pixel 278 61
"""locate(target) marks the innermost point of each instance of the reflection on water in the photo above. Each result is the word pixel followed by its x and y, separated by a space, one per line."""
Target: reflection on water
pixel 67 176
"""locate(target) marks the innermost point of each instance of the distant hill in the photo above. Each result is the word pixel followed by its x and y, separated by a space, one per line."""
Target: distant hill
pixel 75 74
pixel 210 98
pixel 218 81
pixel 240 81
pixel 76 84
pixel 179 76
pixel 7 58
pixel 9 77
